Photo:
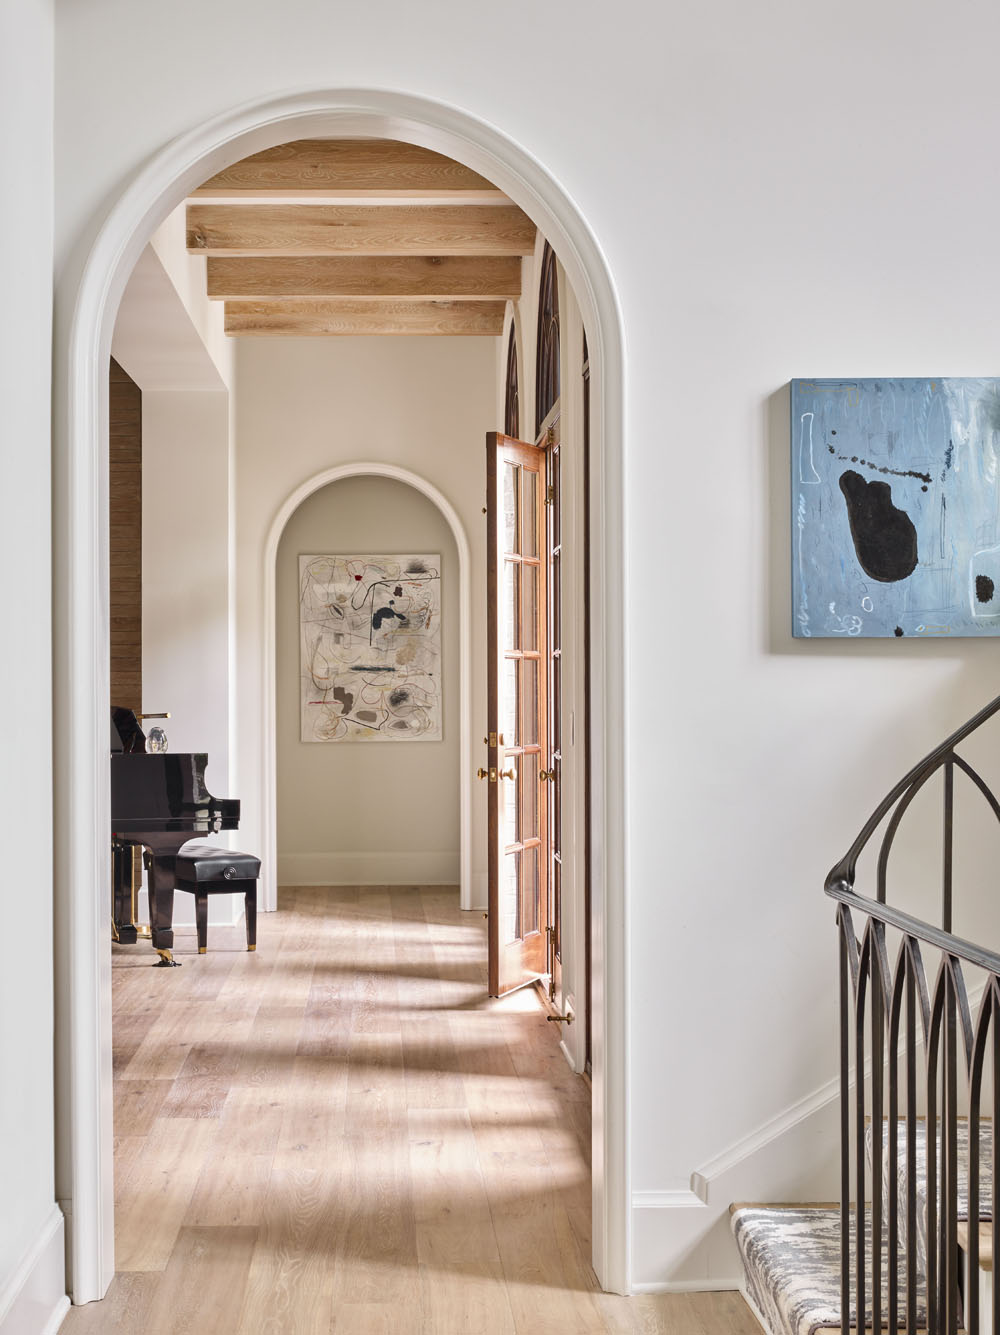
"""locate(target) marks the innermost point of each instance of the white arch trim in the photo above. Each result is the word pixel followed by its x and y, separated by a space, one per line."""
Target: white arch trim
pixel 268 760
pixel 92 291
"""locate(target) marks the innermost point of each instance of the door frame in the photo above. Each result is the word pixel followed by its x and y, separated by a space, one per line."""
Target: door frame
pixel 88 295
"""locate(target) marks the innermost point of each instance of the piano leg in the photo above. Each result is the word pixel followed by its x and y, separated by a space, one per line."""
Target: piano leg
pixel 123 918
pixel 250 900
pixel 160 879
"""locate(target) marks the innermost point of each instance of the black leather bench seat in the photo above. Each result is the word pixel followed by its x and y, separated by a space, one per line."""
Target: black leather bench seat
pixel 203 869
pixel 198 861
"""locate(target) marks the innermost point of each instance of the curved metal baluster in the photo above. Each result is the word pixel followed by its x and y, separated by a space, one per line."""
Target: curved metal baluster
pixel 843 873
pixel 964 1010
pixel 980 783
pixel 920 980
pixel 949 1153
pixel 845 921
pixel 959 1015
pixel 994 988
pixel 890 831
pixel 864 972
pixel 900 989
pixel 881 988
pixel 916 989
pixel 848 991
pixel 972 1314
pixel 935 1311
pixel 949 820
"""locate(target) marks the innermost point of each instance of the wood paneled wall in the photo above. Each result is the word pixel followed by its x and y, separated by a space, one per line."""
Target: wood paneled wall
pixel 125 477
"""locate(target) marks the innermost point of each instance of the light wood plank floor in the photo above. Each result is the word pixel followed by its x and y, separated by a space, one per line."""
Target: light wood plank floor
pixel 342 1133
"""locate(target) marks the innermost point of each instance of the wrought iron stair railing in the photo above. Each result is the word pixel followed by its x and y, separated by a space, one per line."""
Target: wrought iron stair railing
pixel 920 1060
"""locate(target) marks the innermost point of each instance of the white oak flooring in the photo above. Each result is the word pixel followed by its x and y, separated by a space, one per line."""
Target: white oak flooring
pixel 340 1134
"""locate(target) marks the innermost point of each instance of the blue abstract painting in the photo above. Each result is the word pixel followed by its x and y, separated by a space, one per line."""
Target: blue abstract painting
pixel 895 508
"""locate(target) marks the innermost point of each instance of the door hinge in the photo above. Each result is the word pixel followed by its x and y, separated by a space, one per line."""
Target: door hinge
pixel 550 495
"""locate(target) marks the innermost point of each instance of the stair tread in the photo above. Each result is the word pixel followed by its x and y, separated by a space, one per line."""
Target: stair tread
pixel 985 1164
pixel 791 1257
pixel 985 1242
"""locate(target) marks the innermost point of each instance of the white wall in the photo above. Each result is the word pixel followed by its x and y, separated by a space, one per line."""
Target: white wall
pixel 186 606
pixel 185 580
pixel 168 337
pixel 349 812
pixel 31 1247
pixel 306 405
pixel 188 275
pixel 780 190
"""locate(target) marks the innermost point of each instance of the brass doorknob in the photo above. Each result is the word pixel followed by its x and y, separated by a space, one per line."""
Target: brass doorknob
pixel 490 774
pixel 507 774
pixel 549 774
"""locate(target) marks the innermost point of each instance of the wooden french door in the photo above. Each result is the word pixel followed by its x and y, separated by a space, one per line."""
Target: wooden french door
pixel 516 771
pixel 553 789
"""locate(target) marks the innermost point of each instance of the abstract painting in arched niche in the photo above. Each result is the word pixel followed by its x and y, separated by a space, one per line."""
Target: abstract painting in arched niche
pixel 371 648
pixel 895 508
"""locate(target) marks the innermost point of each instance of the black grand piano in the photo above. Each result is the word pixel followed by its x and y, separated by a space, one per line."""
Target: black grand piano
pixel 158 801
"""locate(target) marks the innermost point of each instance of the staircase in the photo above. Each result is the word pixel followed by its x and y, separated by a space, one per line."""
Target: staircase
pixel 919 1048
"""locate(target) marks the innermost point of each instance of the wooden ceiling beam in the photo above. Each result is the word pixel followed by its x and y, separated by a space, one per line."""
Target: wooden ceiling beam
pixel 397 277
pixel 348 167
pixel 304 319
pixel 329 229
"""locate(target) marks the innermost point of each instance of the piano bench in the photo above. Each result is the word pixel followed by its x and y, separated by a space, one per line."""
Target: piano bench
pixel 202 870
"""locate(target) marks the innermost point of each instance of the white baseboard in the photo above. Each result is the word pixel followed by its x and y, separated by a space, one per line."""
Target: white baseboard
pixel 356 868
pixel 480 891
pixel 684 1237
pixel 33 1300
pixel 692 1286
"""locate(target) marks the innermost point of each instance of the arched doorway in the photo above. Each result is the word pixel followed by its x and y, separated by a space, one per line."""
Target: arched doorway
pixel 83 1118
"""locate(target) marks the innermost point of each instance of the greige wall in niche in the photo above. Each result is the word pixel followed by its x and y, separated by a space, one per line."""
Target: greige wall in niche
pixel 346 812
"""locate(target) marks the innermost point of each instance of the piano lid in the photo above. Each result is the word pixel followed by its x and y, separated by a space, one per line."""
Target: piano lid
pixel 126 735
pixel 166 792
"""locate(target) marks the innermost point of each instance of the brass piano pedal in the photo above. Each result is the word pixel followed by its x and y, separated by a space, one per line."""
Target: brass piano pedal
pixel 166 960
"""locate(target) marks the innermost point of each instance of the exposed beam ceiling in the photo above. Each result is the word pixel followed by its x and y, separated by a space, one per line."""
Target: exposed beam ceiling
pixel 329 318
pixel 401 278
pixel 358 236
pixel 351 168
pixel 331 229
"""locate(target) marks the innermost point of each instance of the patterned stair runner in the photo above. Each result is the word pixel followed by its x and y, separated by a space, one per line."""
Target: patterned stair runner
pixel 791 1257
pixel 985 1175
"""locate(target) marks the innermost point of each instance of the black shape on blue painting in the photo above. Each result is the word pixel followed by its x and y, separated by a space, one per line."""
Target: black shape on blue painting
pixel 885 539
pixel 985 589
